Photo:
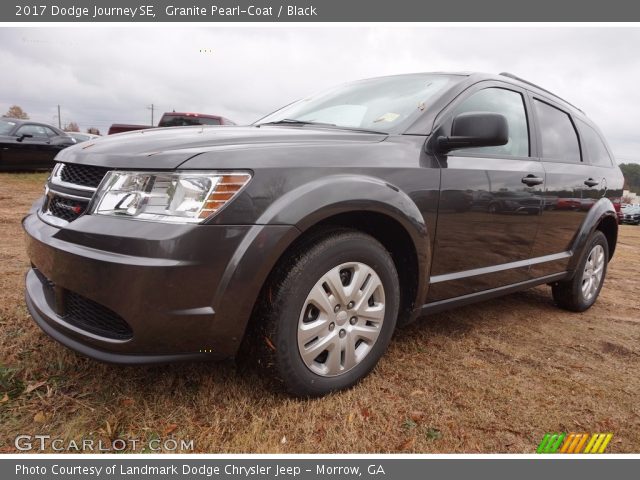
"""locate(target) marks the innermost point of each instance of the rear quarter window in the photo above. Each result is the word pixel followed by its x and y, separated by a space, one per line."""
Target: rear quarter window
pixel 596 152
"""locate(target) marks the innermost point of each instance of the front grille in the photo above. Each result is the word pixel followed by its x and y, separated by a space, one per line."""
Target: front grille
pixel 85 314
pixel 66 208
pixel 85 175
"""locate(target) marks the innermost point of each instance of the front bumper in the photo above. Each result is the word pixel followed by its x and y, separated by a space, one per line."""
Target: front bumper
pixel 172 289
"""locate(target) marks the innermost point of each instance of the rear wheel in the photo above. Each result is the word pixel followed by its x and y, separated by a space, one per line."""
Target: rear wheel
pixel 332 313
pixel 579 293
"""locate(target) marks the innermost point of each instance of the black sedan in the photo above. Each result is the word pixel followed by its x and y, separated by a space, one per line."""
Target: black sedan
pixel 27 145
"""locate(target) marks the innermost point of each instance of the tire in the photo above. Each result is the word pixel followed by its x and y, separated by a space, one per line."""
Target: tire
pixel 294 311
pixel 570 294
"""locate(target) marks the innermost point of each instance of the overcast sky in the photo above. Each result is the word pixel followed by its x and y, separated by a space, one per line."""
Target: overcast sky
pixel 101 76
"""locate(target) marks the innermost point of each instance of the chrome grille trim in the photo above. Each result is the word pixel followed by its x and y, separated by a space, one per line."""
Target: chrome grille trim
pixel 56 179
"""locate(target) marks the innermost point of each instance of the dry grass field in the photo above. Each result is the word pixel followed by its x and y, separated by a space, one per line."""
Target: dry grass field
pixel 493 377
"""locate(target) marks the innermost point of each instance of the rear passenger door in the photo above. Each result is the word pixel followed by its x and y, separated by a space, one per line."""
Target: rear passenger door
pixel 566 196
pixel 490 200
pixel 601 164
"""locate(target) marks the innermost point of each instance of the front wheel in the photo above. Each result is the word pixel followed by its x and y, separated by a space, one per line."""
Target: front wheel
pixel 579 293
pixel 333 310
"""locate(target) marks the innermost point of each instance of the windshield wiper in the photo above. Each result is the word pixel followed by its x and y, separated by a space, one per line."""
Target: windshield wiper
pixel 293 121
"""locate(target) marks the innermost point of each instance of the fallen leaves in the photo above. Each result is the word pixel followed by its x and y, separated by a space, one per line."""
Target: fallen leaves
pixel 169 429
pixel 40 417
pixel 417 416
pixel 34 386
pixel 407 444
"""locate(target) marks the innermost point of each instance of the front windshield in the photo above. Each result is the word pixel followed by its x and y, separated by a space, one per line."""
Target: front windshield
pixel 6 126
pixel 387 104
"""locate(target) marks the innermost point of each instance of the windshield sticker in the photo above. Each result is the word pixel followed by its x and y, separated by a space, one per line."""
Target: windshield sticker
pixel 387 117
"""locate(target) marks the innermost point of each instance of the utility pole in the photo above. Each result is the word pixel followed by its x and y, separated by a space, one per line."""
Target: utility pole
pixel 152 107
pixel 59 119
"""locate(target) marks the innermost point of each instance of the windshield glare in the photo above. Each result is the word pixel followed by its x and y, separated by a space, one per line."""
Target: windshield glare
pixel 387 104
pixel 6 127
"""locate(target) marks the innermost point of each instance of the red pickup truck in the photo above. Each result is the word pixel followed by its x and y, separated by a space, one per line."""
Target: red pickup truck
pixel 174 119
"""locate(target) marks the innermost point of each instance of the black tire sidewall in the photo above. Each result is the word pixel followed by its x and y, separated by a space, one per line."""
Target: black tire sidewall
pixel 597 238
pixel 322 257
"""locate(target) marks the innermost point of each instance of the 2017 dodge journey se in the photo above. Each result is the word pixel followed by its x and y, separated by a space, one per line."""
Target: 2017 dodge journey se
pixel 310 235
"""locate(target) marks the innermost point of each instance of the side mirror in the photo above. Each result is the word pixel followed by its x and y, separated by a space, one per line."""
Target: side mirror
pixel 23 136
pixel 475 129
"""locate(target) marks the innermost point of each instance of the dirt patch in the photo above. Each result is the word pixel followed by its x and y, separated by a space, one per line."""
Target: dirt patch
pixel 608 347
pixel 492 377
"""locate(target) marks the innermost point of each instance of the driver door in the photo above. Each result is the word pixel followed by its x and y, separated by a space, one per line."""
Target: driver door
pixel 490 201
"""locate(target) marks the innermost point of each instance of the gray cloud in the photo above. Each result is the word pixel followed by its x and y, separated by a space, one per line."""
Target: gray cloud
pixel 103 75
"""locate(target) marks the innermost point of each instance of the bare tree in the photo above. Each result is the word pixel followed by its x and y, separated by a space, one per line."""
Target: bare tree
pixel 93 131
pixel 71 127
pixel 15 111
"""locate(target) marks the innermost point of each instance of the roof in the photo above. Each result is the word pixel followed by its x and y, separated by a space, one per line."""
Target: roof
pixel 19 121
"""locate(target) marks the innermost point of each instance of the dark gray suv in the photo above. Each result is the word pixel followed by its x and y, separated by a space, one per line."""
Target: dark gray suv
pixel 309 235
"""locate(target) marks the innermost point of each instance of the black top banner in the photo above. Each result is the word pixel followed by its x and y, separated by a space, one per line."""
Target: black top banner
pixel 228 11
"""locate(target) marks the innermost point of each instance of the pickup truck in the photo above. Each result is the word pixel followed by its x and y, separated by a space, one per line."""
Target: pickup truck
pixel 174 119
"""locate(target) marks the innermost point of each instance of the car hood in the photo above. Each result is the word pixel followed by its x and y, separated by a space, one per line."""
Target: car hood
pixel 168 148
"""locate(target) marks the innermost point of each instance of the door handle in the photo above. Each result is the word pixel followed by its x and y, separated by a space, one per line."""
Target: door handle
pixel 531 180
pixel 591 182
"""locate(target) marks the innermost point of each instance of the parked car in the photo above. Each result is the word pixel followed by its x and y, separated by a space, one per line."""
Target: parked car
pixel 631 215
pixel 82 137
pixel 304 239
pixel 27 145
pixel 174 119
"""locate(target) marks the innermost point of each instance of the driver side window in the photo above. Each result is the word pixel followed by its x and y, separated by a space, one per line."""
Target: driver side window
pixel 507 103
pixel 34 130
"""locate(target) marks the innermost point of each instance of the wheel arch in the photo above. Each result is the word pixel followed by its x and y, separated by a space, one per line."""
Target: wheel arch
pixel 361 203
pixel 601 216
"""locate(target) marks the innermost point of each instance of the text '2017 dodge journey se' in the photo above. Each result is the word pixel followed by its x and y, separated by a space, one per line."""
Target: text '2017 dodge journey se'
pixel 312 233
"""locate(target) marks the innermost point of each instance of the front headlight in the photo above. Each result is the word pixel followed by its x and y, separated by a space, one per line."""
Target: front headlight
pixel 176 197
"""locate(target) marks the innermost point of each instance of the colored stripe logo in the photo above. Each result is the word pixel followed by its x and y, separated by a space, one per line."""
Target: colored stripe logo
pixel 574 443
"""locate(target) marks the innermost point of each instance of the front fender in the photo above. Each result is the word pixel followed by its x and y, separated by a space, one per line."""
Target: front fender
pixel 600 210
pixel 312 202
pixel 297 211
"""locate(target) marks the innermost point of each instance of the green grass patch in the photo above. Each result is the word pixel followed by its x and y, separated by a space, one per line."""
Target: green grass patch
pixel 10 384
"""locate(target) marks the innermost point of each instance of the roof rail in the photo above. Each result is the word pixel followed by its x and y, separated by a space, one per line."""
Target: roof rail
pixel 515 77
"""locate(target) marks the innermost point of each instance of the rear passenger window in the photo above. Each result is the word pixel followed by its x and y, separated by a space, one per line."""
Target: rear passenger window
pixel 597 153
pixel 511 105
pixel 559 137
